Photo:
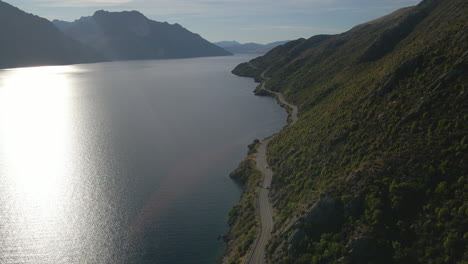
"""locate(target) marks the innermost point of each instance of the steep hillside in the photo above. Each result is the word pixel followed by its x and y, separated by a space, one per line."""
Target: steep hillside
pixel 243 218
pixel 28 40
pixel 376 169
pixel 130 35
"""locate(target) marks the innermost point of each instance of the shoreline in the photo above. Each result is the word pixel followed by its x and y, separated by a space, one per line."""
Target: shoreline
pixel 264 222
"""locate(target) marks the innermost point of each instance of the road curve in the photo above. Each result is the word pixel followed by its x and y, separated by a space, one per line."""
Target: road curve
pixel 294 109
pixel 257 256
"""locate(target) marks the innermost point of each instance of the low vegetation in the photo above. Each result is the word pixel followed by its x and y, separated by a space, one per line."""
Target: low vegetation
pixel 243 218
pixel 376 169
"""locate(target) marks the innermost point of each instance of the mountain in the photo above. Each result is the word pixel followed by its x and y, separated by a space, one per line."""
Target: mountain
pixel 131 36
pixel 248 48
pixel 29 40
pixel 375 170
pixel 224 44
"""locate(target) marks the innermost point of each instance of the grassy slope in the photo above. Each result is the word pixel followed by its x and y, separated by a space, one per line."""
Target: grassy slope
pixel 376 168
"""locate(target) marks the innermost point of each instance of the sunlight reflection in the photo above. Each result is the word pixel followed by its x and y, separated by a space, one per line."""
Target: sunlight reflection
pixel 34 149
pixel 34 126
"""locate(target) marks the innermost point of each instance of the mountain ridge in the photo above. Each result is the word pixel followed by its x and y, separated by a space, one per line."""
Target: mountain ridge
pixel 29 40
pixel 129 35
pixel 248 48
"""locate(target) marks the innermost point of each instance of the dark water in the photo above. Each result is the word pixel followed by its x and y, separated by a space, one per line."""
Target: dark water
pixel 124 162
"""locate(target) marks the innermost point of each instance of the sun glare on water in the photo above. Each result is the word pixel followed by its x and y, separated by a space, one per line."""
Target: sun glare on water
pixel 35 128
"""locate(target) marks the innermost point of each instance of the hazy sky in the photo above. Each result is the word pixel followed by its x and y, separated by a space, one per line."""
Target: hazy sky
pixel 242 20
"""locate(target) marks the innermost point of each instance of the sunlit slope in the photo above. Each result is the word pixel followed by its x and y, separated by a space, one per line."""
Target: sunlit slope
pixel 376 168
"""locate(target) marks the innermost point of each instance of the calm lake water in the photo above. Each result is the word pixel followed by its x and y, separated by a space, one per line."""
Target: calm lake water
pixel 124 162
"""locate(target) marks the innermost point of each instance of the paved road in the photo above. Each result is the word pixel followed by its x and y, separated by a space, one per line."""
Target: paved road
pixel 283 101
pixel 257 255
pixel 280 97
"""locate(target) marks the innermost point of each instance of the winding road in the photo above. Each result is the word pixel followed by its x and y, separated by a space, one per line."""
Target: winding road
pixel 257 256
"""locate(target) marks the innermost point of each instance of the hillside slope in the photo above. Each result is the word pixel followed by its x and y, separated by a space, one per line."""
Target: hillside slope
pixel 29 40
pixel 130 36
pixel 376 169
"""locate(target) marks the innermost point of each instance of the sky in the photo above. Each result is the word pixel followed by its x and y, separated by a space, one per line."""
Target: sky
pixel 260 21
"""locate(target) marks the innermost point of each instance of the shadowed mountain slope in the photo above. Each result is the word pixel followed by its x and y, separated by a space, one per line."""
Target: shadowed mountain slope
pixel 29 40
pixel 131 36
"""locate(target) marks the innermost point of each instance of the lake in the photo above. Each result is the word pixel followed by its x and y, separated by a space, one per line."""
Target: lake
pixel 124 162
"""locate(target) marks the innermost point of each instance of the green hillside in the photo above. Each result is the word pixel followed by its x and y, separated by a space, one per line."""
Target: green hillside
pixel 376 169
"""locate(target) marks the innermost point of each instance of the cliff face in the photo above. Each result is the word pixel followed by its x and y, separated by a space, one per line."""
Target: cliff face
pixel 375 171
pixel 28 40
pixel 130 36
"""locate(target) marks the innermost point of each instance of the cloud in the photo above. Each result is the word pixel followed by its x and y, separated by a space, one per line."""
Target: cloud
pixel 175 3
pixel 82 3
pixel 217 8
pixel 245 20
pixel 204 3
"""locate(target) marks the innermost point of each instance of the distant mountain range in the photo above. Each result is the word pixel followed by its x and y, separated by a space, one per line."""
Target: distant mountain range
pixel 130 36
pixel 248 48
pixel 29 40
